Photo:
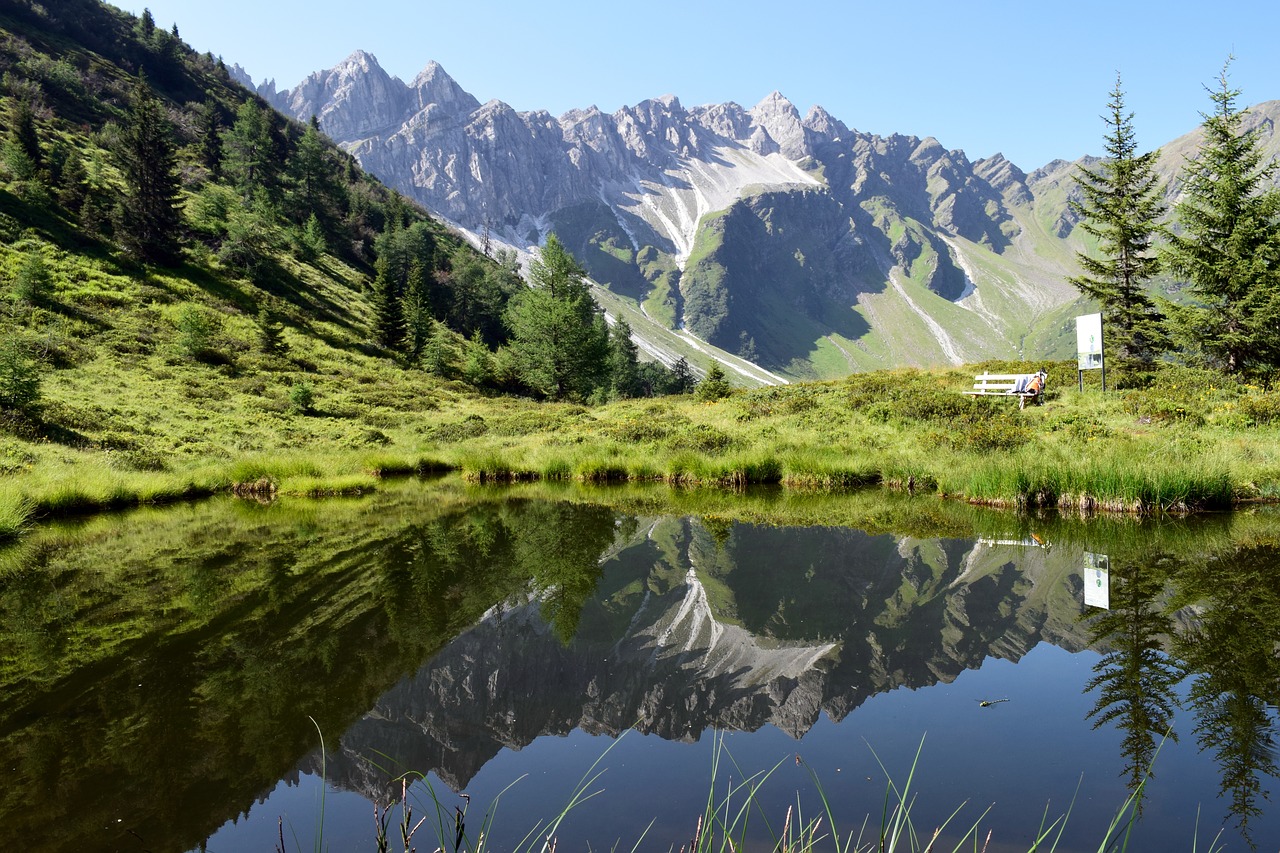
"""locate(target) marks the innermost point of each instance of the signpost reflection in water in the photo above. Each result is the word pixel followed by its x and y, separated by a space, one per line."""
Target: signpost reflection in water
pixel 477 639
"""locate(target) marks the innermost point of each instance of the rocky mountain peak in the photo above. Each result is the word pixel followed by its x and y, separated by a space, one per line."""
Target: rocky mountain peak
pixel 823 123
pixel 352 100
pixel 780 119
pixel 433 85
pixel 1005 177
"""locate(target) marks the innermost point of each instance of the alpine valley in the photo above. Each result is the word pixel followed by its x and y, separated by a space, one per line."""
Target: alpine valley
pixel 786 246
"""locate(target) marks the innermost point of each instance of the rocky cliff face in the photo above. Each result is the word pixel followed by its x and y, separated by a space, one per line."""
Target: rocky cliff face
pixel 919 255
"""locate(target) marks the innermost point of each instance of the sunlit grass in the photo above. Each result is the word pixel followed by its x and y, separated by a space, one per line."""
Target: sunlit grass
pixel 1190 440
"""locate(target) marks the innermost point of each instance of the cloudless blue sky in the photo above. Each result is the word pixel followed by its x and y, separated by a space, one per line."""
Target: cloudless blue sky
pixel 1028 79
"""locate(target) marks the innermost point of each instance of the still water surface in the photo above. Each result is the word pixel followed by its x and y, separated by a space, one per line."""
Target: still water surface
pixel 161 670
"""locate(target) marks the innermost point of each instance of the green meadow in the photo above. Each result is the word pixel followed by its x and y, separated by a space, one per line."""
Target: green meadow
pixel 167 427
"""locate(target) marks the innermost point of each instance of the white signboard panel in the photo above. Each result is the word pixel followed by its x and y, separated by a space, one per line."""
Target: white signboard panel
pixel 1097 580
pixel 1089 341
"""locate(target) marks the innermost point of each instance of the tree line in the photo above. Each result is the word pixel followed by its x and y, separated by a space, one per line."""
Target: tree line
pixel 1223 243
pixel 222 178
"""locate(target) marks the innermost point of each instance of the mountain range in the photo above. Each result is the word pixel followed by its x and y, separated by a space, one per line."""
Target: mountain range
pixel 685 635
pixel 786 246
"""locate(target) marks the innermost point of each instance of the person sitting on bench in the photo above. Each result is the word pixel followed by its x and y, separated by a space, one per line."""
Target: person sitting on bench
pixel 1031 384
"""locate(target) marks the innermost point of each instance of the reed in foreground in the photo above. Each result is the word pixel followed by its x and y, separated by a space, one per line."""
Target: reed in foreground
pixel 734 818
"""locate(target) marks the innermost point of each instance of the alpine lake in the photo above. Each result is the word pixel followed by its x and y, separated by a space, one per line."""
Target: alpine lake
pixel 228 675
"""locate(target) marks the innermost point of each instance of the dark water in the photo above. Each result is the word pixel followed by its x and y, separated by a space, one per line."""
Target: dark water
pixel 166 676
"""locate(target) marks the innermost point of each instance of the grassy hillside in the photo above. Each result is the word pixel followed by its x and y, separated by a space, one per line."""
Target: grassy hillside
pixel 254 362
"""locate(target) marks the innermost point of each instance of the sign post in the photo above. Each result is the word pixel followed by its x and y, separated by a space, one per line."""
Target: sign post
pixel 1097 580
pixel 1089 347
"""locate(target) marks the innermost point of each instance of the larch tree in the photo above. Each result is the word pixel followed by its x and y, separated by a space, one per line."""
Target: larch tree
pixel 309 177
pixel 1228 245
pixel 249 153
pixel 1121 207
pixel 557 344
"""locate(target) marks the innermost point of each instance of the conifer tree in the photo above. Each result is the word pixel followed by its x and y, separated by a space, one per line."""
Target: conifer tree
pixel 682 378
pixel 1228 245
pixel 477 365
pixel 20 376
pixel 1122 208
pixel 416 309
pixel 22 154
pixel 714 385
pixel 437 352
pixel 149 216
pixel 561 350
pixel 25 134
pixel 624 362
pixel 309 177
pixel 249 159
pixel 146 27
pixel 209 126
pixel 388 320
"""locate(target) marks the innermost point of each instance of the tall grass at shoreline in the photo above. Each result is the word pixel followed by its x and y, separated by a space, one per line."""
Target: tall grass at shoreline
pixel 734 818
pixel 1189 441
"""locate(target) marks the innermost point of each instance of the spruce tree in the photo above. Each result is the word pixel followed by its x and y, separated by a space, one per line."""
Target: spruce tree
pixel 208 125
pixel 624 362
pixel 561 350
pixel 1122 207
pixel 149 215
pixel 1228 245
pixel 388 320
pixel 25 134
pixel 477 365
pixel 682 378
pixel 714 385
pixel 416 310
pixel 437 352
pixel 20 376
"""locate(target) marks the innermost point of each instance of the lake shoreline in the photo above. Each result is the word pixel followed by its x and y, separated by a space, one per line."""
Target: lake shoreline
pixel 1189 441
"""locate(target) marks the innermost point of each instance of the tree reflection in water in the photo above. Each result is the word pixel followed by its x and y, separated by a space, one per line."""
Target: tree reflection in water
pixel 1135 678
pixel 1232 655
pixel 1215 620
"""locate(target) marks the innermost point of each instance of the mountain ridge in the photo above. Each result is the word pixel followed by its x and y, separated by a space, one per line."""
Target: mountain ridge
pixel 939 259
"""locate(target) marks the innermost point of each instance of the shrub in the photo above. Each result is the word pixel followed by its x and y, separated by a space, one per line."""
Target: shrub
pixel 469 427
pixel 1166 405
pixel 644 427
pixel 197 329
pixel 302 398
pixel 1262 409
pixel 33 284
pixel 714 385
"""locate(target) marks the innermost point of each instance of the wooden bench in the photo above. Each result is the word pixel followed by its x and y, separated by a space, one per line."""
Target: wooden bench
pixel 1024 386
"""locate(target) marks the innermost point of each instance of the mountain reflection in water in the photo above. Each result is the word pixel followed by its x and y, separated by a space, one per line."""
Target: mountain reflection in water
pixel 164 665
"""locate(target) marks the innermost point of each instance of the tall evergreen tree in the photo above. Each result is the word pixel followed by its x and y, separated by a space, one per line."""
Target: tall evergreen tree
pixel 309 175
pixel 1229 244
pixel 1135 679
pixel 624 362
pixel 388 319
pixel 24 132
pixel 249 151
pixel 555 339
pixel 682 379
pixel 209 126
pixel 416 309
pixel 477 366
pixel 1122 207
pixel 149 215
pixel 438 355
